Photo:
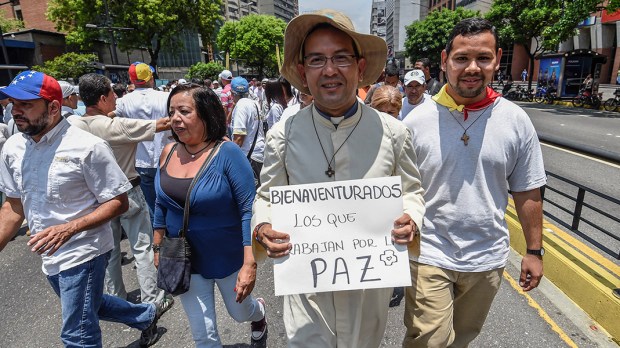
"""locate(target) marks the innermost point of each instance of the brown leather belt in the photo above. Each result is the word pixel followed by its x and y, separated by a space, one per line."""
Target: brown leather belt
pixel 135 181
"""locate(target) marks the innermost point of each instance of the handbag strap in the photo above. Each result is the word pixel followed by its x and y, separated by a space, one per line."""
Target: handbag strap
pixel 256 134
pixel 202 169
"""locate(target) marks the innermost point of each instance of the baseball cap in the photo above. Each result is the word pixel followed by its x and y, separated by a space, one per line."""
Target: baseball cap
pixel 67 89
pixel 239 85
pixel 226 75
pixel 30 85
pixel 415 75
pixel 265 80
pixel 140 73
pixel 182 81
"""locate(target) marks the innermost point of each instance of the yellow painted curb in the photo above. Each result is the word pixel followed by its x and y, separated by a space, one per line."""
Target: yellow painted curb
pixel 580 272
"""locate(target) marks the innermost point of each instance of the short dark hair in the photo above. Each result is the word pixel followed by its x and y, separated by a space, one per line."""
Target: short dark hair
pixel 197 81
pixel 425 62
pixel 92 87
pixel 208 83
pixel 391 70
pixel 120 89
pixel 470 27
pixel 208 108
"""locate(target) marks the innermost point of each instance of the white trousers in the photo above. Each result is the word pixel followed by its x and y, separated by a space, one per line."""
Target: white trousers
pixel 199 305
pixel 137 225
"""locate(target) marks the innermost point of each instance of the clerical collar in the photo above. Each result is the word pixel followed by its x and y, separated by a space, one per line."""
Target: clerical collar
pixel 352 110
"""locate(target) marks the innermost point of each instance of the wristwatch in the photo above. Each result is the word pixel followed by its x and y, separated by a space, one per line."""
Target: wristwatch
pixel 156 248
pixel 537 252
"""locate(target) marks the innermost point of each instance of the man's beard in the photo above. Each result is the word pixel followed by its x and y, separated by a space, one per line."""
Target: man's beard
pixel 467 93
pixel 36 127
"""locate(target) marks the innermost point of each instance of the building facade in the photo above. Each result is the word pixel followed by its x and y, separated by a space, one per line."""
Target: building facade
pixel 233 10
pixel 283 9
pixel 378 18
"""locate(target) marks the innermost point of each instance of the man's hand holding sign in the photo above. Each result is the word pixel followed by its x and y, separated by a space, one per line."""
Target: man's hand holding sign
pixel 342 236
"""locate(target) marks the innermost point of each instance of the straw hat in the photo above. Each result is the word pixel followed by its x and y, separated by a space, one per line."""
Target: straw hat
pixel 371 47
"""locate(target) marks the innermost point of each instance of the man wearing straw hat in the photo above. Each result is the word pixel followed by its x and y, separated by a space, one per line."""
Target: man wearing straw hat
pixel 326 58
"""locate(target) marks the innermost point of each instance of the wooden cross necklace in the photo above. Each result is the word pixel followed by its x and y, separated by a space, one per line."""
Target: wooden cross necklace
pixel 330 171
pixel 465 137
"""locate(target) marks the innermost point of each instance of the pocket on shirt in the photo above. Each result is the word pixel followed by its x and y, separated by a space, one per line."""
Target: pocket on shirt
pixel 65 180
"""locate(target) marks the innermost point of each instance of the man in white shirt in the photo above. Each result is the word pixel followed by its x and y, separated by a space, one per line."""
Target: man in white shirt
pixel 147 104
pixel 67 184
pixel 69 99
pixel 248 131
pixel 415 88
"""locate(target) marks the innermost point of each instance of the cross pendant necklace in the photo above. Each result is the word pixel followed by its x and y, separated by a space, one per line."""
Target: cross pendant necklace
pixel 330 170
pixel 465 137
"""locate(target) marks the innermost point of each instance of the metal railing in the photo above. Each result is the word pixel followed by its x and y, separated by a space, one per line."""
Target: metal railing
pixel 581 202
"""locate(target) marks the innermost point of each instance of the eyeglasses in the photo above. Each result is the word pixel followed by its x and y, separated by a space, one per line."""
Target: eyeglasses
pixel 339 60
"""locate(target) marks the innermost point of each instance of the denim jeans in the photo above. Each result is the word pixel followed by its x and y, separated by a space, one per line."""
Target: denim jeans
pixel 199 305
pixel 135 221
pixel 83 304
pixel 147 184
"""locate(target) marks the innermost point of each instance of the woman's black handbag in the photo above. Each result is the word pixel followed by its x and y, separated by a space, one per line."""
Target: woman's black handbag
pixel 175 269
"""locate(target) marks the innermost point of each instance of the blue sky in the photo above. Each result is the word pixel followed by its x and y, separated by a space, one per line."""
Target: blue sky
pixel 357 10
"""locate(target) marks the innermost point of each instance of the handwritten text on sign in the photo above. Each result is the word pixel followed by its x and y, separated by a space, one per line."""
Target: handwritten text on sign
pixel 341 236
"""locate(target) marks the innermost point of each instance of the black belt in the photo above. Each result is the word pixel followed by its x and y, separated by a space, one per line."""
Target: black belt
pixel 135 181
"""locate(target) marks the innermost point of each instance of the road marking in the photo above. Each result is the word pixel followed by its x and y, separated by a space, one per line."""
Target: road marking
pixel 541 312
pixel 581 155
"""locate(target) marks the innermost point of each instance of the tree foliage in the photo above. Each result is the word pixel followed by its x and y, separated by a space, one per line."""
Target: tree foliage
pixel 204 71
pixel 8 25
pixel 428 37
pixel 156 23
pixel 541 25
pixel 68 66
pixel 253 40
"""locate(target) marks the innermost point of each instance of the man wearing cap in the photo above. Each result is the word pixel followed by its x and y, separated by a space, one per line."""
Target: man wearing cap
pixel 66 183
pixel 69 99
pixel 145 103
pixel 226 96
pixel 415 88
pixel 327 58
pixel 473 148
pixel 123 136
pixel 248 132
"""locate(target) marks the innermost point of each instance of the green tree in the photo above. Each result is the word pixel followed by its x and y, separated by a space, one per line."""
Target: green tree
pixel 69 65
pixel 8 25
pixel 428 37
pixel 253 40
pixel 523 22
pixel 204 71
pixel 156 23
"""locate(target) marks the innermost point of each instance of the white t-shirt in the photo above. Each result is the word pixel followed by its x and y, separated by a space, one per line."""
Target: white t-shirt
pixel 146 104
pixel 274 114
pixel 246 121
pixel 466 187
pixel 407 108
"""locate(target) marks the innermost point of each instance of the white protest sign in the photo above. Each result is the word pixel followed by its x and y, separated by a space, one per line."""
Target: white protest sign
pixel 341 236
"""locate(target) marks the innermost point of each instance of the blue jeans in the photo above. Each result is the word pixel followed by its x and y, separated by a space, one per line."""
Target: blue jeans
pixel 83 304
pixel 147 184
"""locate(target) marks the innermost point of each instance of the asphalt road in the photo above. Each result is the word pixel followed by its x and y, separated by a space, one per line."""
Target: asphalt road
pixel 583 129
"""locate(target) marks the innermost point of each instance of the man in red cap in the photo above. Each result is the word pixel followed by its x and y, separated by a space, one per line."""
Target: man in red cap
pixel 67 184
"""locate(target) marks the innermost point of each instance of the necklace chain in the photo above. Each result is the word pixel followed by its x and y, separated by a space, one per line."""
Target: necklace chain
pixel 197 152
pixel 330 171
pixel 465 137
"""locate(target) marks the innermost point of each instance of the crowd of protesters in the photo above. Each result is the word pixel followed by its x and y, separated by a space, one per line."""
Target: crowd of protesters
pixel 199 158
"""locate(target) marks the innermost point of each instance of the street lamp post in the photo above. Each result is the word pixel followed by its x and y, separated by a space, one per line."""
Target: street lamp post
pixel 111 30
